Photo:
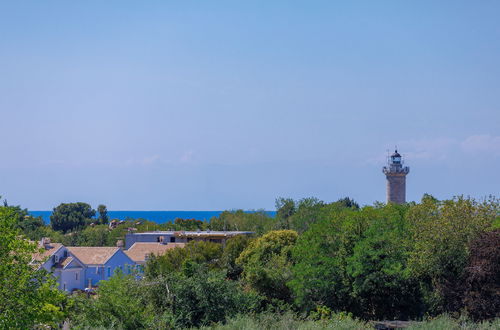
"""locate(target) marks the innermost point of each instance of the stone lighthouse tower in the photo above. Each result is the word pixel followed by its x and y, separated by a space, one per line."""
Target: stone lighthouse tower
pixel 396 179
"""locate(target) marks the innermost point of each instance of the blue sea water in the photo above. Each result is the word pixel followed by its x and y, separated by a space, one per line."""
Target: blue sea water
pixel 156 216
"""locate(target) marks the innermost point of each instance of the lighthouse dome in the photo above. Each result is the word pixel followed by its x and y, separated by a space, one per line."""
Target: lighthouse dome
pixel 396 154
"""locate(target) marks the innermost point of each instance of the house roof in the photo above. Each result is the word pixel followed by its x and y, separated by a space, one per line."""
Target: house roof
pixel 140 250
pixel 66 262
pixel 47 250
pixel 93 255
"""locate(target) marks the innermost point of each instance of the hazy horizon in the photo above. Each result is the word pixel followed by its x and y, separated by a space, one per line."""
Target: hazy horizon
pixel 221 105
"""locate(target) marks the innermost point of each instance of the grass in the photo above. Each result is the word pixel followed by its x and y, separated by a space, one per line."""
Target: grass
pixel 289 321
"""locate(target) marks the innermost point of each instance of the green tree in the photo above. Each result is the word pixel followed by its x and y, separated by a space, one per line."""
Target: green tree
pixel 258 222
pixel 481 297
pixel 266 264
pixel 99 235
pixel 320 274
pixel 348 203
pixel 189 224
pixel 71 216
pixel 27 297
pixel 119 304
pixel 307 212
pixel 175 260
pixel 103 214
pixel 201 297
pixel 29 225
pixel 381 286
pixel 285 208
pixel 441 232
pixel 232 251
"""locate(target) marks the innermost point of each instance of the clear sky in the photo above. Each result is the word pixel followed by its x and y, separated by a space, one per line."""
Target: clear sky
pixel 212 105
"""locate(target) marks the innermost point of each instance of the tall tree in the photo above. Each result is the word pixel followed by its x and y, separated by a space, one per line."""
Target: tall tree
pixel 285 208
pixel 348 202
pixel 441 232
pixel 378 268
pixel 71 216
pixel 307 212
pixel 320 275
pixel 103 214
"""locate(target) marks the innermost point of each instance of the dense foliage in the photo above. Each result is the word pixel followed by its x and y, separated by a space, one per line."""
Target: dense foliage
pixel 266 264
pixel 70 216
pixel 27 297
pixel 481 296
pixel 314 265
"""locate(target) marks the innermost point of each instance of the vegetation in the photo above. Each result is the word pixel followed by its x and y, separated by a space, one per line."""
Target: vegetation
pixel 315 265
pixel 27 297
pixel 103 214
pixel 68 217
pixel 259 222
pixel 266 264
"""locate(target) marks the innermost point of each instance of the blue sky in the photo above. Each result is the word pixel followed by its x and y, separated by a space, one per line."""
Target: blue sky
pixel 184 105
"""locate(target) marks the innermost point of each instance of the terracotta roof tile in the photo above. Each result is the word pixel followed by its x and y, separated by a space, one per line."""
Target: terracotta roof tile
pixel 48 250
pixel 92 255
pixel 64 262
pixel 138 251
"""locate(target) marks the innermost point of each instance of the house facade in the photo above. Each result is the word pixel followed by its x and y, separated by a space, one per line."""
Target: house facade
pixel 81 267
pixel 101 263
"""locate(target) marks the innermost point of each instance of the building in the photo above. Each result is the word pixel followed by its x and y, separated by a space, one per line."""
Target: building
pixel 80 267
pixel 395 174
pixel 166 237
pixel 140 252
pixel 77 268
pixel 100 263
pixel 56 259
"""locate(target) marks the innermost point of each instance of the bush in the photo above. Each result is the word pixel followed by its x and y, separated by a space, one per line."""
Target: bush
pixel 482 277
pixel 202 298
pixel 266 264
pixel 289 321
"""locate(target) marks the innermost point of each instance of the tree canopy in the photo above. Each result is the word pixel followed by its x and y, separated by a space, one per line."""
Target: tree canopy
pixel 69 216
pixel 27 297
pixel 266 264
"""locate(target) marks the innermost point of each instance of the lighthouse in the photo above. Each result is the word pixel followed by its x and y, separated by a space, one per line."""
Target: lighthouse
pixel 395 174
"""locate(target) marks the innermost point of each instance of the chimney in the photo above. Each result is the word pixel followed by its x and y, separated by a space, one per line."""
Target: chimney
pixel 45 242
pixel 119 243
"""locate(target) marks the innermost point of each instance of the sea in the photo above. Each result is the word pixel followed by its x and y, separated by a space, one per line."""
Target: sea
pixel 156 216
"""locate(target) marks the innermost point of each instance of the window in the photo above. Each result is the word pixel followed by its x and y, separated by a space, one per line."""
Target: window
pixel 64 286
pixel 97 270
pixel 172 239
pixel 76 276
pixel 109 271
